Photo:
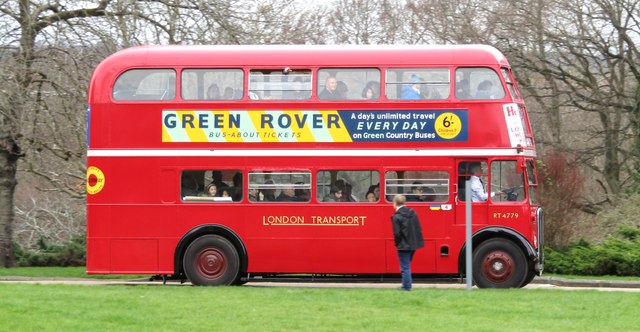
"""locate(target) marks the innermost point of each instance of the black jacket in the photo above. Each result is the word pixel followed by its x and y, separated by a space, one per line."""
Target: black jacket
pixel 407 233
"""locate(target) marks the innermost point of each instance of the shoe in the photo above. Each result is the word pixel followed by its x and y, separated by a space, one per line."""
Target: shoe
pixel 404 289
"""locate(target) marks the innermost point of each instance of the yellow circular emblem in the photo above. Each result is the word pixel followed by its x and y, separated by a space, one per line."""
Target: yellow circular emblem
pixel 95 180
pixel 448 125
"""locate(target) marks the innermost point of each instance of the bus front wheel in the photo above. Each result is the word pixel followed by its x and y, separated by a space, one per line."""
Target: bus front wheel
pixel 211 260
pixel 499 263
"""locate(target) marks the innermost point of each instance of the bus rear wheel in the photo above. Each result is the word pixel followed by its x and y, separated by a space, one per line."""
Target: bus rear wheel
pixel 211 260
pixel 499 263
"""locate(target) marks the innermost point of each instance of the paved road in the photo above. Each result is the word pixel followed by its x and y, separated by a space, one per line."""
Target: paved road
pixel 538 283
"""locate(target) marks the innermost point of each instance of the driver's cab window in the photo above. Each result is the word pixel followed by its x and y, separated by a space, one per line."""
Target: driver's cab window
pixel 507 178
pixel 533 184
pixel 476 172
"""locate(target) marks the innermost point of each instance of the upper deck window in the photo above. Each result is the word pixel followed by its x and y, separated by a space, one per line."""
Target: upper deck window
pixel 478 83
pixel 416 84
pixel 510 84
pixel 348 84
pixel 212 84
pixel 280 84
pixel 145 84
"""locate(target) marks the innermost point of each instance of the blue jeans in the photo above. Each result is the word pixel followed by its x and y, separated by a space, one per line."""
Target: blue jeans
pixel 405 257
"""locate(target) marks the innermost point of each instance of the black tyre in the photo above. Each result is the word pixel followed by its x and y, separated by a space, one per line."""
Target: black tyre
pixel 211 260
pixel 530 275
pixel 499 263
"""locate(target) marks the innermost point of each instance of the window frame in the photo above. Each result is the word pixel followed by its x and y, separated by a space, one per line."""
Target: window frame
pixel 496 82
pixel 127 86
pixel 416 76
pixel 277 186
pixel 239 85
pixel 254 94
pixel 201 196
pixel 353 85
pixel 322 194
pixel 426 182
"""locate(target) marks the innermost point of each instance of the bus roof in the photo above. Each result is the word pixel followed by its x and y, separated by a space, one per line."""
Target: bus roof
pixel 305 56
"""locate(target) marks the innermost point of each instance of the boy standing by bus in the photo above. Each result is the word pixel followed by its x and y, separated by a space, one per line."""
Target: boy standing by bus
pixel 407 235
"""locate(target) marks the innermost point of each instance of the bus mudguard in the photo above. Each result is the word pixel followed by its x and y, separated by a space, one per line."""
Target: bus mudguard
pixel 498 232
pixel 206 229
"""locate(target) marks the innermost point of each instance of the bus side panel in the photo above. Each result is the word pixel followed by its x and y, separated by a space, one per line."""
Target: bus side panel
pixel 312 241
pixel 423 260
pixel 138 255
pixel 98 256
pixel 131 238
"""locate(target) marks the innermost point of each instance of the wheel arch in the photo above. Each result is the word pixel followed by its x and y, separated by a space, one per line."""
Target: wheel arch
pixel 497 233
pixel 209 229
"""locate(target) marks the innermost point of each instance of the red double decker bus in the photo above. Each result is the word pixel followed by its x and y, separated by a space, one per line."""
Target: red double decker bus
pixel 219 164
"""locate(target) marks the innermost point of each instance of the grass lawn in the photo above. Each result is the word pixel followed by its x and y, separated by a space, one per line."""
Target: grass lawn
pixel 36 307
pixel 60 272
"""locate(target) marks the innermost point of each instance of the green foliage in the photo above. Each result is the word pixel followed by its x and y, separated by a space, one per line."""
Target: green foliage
pixel 70 253
pixel 618 255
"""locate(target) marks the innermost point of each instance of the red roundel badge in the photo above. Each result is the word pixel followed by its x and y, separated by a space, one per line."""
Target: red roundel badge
pixel 95 180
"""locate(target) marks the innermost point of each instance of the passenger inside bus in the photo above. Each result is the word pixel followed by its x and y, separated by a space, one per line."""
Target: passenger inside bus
pixel 412 91
pixel 228 93
pixel 269 192
pixel 484 90
pixel 255 195
pixel 335 195
pixel 211 190
pixel 417 193
pixel 216 178
pixel 287 194
pixel 213 92
pixel 342 90
pixel 376 190
pixel 347 193
pixel 371 91
pixel 429 194
pixel 303 194
pixel 371 197
pixel 236 191
pixel 463 89
pixel 330 91
pixel 478 192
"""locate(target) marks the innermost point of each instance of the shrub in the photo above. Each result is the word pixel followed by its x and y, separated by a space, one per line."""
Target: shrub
pixel 70 253
pixel 618 255
pixel 561 185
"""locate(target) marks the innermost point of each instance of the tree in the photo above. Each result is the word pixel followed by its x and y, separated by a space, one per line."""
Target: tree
pixel 49 53
pixel 582 64
pixel 578 60
pixel 23 106
pixel 364 22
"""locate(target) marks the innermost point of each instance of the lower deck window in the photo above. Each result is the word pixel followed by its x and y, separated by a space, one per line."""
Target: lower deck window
pixel 276 186
pixel 418 186
pixel 348 186
pixel 211 185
